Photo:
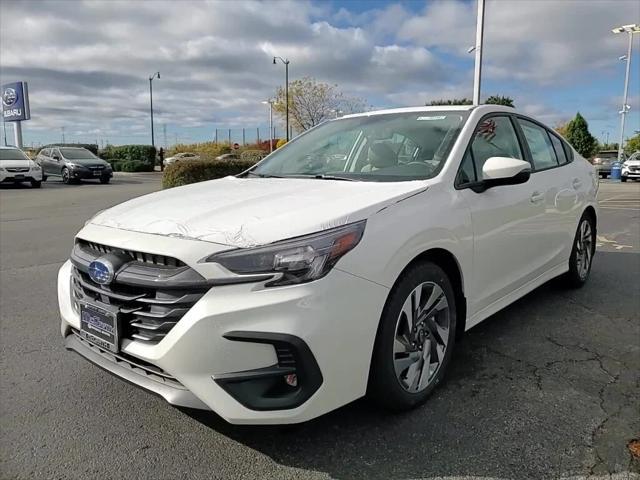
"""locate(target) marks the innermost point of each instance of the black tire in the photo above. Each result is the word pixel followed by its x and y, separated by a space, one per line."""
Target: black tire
pixel 36 183
pixel 66 177
pixel 577 276
pixel 604 175
pixel 44 178
pixel 105 180
pixel 623 179
pixel 384 386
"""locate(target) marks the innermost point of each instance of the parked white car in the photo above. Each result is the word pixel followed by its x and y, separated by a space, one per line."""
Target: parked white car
pixel 347 262
pixel 631 168
pixel 179 157
pixel 17 167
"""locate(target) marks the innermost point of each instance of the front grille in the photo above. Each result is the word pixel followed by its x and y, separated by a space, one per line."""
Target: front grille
pixel 151 293
pixel 98 250
pixel 17 169
pixel 137 365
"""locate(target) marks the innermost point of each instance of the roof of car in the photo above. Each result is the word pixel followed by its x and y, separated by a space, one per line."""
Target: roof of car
pixel 434 108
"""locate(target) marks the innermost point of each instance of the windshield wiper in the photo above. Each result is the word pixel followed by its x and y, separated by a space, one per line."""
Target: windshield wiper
pixel 263 175
pixel 322 176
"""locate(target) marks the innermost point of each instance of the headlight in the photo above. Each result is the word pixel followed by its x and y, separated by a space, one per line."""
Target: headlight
pixel 72 165
pixel 298 260
pixel 35 167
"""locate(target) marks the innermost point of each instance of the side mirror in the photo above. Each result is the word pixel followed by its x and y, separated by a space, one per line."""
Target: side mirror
pixel 498 171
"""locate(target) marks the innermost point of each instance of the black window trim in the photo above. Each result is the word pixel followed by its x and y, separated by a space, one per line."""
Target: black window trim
pixel 461 186
pixel 535 170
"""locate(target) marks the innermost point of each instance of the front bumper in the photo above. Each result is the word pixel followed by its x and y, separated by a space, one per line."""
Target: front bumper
pixel 630 173
pixel 87 174
pixel 17 177
pixel 202 357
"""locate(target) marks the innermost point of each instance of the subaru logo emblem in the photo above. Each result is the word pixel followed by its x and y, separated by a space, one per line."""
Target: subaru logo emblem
pixel 101 272
pixel 9 97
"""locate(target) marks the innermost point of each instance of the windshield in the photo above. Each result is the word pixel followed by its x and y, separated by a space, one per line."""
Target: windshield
pixel 77 154
pixel 387 147
pixel 12 154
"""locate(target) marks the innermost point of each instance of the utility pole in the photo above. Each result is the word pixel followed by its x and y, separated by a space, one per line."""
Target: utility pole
pixel 157 74
pixel 63 139
pixel 630 30
pixel 477 74
pixel 164 135
pixel 286 89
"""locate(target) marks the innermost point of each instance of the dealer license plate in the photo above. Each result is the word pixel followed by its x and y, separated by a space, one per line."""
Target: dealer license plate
pixel 99 326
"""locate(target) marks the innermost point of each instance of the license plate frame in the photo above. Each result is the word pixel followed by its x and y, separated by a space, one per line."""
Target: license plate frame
pixel 19 176
pixel 100 326
pixel 97 173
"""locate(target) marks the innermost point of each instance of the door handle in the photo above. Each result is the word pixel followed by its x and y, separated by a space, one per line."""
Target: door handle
pixel 577 183
pixel 537 197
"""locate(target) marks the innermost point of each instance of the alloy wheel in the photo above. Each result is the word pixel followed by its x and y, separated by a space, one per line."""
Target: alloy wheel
pixel 584 249
pixel 421 337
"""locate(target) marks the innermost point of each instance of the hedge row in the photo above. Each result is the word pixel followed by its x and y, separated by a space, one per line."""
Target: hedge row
pixel 193 171
pixel 130 165
pixel 137 153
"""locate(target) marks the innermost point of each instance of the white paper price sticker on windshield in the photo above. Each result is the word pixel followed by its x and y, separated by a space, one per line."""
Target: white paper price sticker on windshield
pixel 439 117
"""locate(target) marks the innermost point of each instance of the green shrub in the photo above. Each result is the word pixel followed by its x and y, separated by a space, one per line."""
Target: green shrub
pixel 206 150
pixel 139 153
pixel 135 166
pixel 193 171
pixel 115 164
pixel 253 155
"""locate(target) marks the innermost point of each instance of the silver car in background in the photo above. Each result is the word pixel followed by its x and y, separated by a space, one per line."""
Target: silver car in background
pixel 603 161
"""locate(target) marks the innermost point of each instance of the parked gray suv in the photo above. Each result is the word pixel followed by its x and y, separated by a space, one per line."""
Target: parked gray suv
pixel 73 164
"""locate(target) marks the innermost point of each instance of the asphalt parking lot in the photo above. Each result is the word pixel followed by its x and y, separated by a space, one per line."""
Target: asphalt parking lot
pixel 547 388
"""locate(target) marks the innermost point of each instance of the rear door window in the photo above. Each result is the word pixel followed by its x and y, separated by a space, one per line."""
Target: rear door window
pixel 540 146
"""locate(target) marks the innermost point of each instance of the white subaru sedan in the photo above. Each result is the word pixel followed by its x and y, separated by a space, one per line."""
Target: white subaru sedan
pixel 346 263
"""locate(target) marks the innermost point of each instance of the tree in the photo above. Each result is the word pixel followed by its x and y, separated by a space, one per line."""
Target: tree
pixel 500 100
pixel 452 101
pixel 561 128
pixel 632 145
pixel 312 102
pixel 579 137
pixel 492 100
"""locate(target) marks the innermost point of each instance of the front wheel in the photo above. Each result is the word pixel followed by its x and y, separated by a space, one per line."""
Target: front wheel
pixel 584 247
pixel 105 180
pixel 623 179
pixel 36 183
pixel 66 178
pixel 415 338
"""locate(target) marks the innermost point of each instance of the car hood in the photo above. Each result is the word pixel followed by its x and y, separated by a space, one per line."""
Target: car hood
pixel 15 163
pixel 246 212
pixel 630 163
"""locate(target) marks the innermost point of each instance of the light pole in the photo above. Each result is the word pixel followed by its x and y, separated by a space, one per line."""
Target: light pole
pixel 629 30
pixel 606 134
pixel 157 74
pixel 270 102
pixel 478 47
pixel 286 88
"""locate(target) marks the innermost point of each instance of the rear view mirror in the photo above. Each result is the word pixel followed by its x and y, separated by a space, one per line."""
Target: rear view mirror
pixel 498 171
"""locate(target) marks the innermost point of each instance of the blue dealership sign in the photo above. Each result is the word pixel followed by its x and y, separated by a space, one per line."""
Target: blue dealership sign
pixel 15 102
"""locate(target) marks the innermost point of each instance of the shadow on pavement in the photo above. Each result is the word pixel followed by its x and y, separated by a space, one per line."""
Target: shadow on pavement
pixel 527 395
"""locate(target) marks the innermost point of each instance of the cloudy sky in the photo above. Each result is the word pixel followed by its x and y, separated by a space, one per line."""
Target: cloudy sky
pixel 88 62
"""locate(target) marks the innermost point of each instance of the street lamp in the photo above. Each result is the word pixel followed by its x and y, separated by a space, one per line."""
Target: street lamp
pixel 157 74
pixel 286 88
pixel 270 102
pixel 629 30
pixel 478 48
